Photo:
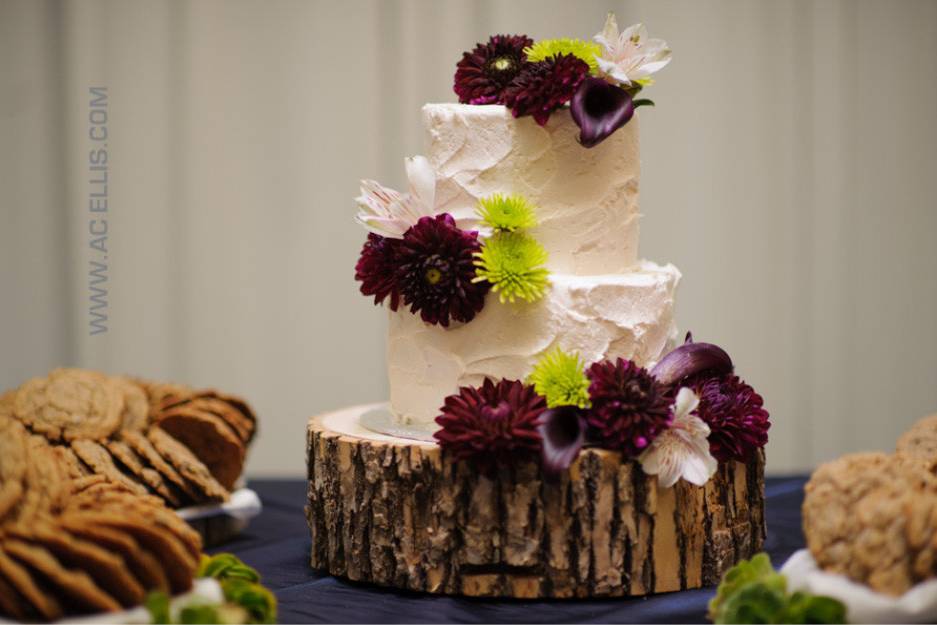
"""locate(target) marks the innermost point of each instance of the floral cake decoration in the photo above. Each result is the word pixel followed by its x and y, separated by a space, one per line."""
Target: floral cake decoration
pixel 599 80
pixel 679 419
pixel 416 254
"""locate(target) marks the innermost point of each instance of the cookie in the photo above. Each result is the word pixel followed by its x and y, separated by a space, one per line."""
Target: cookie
pixel 233 418
pixel 11 602
pixel 13 461
pixel 74 468
pixel 145 566
pixel 106 568
pixel 169 550
pixel 136 414
pixel 46 481
pixel 140 444
pixel 920 441
pixel 188 465
pixel 150 508
pixel 208 437
pixel 70 404
pixel 73 584
pixel 99 459
pixel 873 518
pixel 127 458
pixel 39 598
pixel 243 414
pixel 160 393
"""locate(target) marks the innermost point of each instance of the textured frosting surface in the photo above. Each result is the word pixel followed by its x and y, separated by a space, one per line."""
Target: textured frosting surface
pixel 603 316
pixel 587 199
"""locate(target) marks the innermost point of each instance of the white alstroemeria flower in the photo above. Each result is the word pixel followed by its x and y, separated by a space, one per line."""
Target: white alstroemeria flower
pixel 390 213
pixel 630 56
pixel 681 451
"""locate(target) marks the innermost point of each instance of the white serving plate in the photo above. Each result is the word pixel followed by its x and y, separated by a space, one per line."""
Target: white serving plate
pixel 220 522
pixel 863 605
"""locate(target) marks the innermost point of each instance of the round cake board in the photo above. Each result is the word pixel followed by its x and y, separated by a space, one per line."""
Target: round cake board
pixel 396 511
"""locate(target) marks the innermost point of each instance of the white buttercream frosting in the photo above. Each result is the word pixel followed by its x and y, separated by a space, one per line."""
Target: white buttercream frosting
pixel 603 316
pixel 586 199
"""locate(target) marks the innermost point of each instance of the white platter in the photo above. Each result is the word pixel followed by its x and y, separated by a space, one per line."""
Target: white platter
pixel 863 605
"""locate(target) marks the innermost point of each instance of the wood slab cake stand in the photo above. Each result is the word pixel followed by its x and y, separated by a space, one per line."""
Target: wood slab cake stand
pixel 395 512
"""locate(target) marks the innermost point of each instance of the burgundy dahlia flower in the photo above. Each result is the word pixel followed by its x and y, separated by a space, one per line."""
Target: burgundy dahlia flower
pixel 376 269
pixel 482 74
pixel 435 269
pixel 735 414
pixel 492 424
pixel 541 88
pixel 629 406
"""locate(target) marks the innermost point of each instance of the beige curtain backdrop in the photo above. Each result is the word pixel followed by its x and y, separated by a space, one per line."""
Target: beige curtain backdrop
pixel 789 170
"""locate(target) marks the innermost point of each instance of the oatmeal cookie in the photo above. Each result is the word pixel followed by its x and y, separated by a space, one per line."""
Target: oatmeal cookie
pixel 139 443
pixel 106 568
pixel 136 414
pixel 99 459
pixel 209 438
pixel 242 417
pixel 920 441
pixel 38 597
pixel 873 518
pixel 169 550
pixel 74 584
pixel 188 465
pixel 151 477
pixel 69 404
pixel 144 565
pixel 13 461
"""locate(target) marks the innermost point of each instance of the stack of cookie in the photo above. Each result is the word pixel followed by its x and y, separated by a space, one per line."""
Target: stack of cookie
pixel 873 516
pixel 184 446
pixel 71 546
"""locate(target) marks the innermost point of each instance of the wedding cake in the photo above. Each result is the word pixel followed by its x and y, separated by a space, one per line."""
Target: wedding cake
pixel 547 434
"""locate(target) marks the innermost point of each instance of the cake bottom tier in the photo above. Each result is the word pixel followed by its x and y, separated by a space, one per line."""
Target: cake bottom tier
pixel 398 513
pixel 628 315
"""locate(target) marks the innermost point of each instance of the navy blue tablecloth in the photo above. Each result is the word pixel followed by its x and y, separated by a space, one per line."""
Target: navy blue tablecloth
pixel 277 545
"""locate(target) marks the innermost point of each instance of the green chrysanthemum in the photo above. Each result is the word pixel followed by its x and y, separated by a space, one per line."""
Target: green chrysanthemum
pixel 514 265
pixel 561 379
pixel 507 212
pixel 585 50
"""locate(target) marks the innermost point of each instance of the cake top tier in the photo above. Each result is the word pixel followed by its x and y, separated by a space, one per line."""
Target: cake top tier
pixel 586 199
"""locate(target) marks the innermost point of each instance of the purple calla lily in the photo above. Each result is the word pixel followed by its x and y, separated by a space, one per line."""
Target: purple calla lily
pixel 600 108
pixel 563 430
pixel 692 358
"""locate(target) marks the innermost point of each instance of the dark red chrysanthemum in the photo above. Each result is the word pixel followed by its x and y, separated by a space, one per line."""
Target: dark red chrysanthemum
pixel 492 424
pixel 435 271
pixel 629 407
pixel 482 74
pixel 735 415
pixel 377 267
pixel 541 88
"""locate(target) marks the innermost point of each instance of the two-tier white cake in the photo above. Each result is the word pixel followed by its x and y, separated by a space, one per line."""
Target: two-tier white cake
pixel 603 301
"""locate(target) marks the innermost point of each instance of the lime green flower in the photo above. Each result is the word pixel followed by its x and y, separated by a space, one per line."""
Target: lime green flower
pixel 507 212
pixel 514 265
pixel 585 50
pixel 561 379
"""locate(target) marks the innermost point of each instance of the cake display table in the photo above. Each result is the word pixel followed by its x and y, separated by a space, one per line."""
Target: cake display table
pixel 396 512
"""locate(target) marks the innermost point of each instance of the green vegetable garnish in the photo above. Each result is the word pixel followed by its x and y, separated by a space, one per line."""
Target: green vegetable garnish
pixel 753 592
pixel 246 601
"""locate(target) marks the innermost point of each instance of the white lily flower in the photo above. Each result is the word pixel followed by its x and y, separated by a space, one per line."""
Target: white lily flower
pixel 390 213
pixel 681 451
pixel 630 56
